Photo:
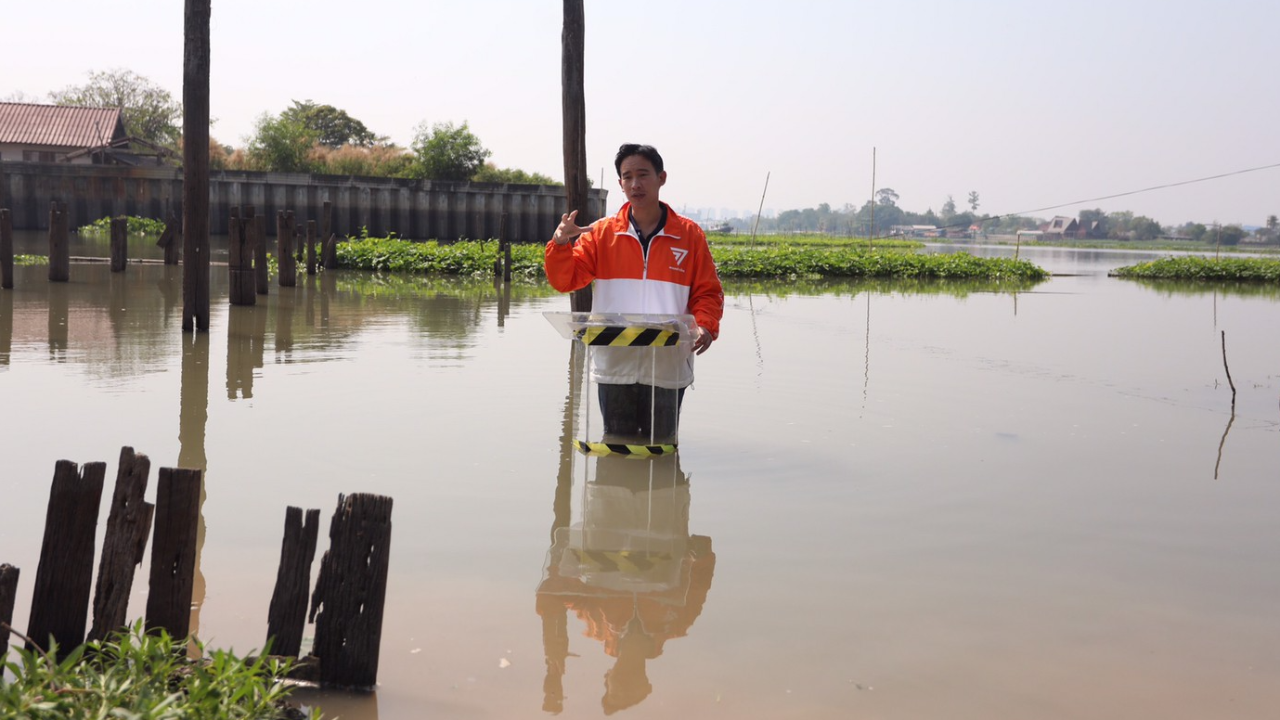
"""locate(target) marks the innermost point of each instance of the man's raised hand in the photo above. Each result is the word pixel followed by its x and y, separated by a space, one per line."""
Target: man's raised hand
pixel 568 230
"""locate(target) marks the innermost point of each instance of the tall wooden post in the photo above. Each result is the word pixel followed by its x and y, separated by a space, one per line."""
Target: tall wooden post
pixel 311 247
pixel 261 271
pixel 195 167
pixel 287 616
pixel 286 265
pixel 8 594
pixel 119 243
pixel 242 289
pixel 6 250
pixel 59 249
pixel 574 110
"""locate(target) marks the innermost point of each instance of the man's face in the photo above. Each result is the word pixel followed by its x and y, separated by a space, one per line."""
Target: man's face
pixel 639 182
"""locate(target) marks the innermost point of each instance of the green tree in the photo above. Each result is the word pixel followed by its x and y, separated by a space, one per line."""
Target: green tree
pixel 1229 235
pixel 148 111
pixel 332 127
pixel 1195 231
pixel 280 145
pixel 948 210
pixel 1144 228
pixel 973 201
pixel 445 151
pixel 886 196
pixel 1089 217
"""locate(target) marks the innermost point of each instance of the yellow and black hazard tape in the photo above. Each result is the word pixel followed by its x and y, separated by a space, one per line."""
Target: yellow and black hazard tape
pixel 598 449
pixel 621 560
pixel 620 336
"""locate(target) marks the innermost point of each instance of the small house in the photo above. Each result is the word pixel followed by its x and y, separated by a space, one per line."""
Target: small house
pixel 59 133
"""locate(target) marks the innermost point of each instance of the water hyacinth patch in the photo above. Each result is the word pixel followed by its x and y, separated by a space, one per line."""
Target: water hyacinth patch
pixel 1200 268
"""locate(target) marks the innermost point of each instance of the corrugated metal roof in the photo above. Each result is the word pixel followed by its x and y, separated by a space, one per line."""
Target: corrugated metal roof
pixel 58 125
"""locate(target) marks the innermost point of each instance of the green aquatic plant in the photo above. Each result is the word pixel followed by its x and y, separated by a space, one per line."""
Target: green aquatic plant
pixel 476 258
pixel 30 260
pixel 1205 269
pixel 142 676
pixel 137 226
pixel 808 262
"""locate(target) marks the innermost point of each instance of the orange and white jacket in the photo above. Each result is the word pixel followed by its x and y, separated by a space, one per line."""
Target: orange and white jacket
pixel 677 276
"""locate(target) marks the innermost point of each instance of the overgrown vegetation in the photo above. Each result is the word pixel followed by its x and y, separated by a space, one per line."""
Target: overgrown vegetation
pixel 808 262
pixel 137 226
pixel 476 258
pixel 142 676
pixel 1199 268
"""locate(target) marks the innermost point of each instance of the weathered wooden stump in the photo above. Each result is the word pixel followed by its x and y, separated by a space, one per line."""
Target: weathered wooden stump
pixel 8 593
pixel 119 243
pixel 285 262
pixel 6 249
pixel 59 245
pixel 171 241
pixel 351 591
pixel 173 551
pixel 242 289
pixel 311 247
pixel 326 214
pixel 128 525
pixel 506 261
pixel 64 577
pixel 330 259
pixel 261 271
pixel 287 616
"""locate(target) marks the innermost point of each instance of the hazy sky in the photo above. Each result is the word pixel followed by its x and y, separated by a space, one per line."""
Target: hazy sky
pixel 1030 103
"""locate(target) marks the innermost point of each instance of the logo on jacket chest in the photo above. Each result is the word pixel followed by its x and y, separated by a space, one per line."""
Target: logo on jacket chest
pixel 680 254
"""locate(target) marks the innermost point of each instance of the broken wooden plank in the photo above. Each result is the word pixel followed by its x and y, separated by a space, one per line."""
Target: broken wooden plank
pixel 173 551
pixel 347 604
pixel 128 525
pixel 64 577
pixel 287 616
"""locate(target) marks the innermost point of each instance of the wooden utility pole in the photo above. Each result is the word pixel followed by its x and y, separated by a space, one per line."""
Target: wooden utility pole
pixel 574 109
pixel 195 168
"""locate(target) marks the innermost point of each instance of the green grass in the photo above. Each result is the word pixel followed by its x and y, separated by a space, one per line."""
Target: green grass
pixel 30 260
pixel 1198 268
pixel 140 676
pixel 137 226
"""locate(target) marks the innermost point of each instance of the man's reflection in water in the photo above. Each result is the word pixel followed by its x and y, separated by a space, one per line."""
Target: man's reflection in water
pixel 629 570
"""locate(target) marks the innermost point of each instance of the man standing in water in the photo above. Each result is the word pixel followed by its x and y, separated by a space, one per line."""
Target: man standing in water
pixel 645 259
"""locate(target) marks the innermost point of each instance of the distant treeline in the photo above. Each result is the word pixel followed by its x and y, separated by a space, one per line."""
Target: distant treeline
pixel 890 219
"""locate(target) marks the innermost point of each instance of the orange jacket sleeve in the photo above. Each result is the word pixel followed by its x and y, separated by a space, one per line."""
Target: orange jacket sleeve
pixel 706 294
pixel 571 266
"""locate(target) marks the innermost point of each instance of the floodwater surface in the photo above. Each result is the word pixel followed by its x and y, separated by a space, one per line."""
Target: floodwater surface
pixel 889 501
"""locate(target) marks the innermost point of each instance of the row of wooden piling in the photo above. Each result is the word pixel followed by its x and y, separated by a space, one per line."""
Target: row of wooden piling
pixel 346 605
pixel 247 255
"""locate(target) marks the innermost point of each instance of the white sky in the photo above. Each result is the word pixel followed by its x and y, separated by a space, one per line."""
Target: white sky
pixel 1030 103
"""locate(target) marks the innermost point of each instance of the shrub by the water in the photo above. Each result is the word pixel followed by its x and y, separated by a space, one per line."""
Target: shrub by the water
pixel 142 676
pixel 1196 267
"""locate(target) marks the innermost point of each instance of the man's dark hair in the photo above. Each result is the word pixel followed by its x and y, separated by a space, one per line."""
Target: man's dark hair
pixel 648 152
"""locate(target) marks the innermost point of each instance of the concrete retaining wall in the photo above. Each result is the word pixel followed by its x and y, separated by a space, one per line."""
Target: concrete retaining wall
pixel 414 209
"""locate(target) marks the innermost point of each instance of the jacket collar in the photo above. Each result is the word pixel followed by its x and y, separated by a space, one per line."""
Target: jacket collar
pixel 622 222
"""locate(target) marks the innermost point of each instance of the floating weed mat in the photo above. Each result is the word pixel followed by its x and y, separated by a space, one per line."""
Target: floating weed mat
pixel 468 258
pixel 1199 268
pixel 136 225
pixel 812 262
pixel 30 260
pixel 143 676
pixel 798 240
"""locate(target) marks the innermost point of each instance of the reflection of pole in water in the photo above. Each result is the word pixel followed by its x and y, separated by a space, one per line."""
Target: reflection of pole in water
pixel 6 326
pixel 192 420
pixel 554 614
pixel 866 357
pixel 1222 443
pixel 756 335
pixel 58 313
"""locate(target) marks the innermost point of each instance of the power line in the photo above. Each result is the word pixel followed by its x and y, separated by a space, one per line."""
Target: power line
pixel 1135 192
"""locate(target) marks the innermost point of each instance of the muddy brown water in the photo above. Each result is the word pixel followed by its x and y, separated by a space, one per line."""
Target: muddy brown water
pixel 890 501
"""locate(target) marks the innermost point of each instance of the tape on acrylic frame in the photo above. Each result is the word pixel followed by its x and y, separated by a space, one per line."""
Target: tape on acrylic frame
pixel 599 449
